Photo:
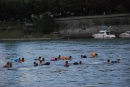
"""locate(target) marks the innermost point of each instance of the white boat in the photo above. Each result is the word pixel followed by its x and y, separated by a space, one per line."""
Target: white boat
pixel 104 34
pixel 125 34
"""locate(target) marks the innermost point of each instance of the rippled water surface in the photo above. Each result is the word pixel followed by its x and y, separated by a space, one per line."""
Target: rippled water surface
pixel 94 72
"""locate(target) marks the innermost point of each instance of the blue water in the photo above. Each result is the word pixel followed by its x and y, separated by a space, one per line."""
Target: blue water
pixel 94 72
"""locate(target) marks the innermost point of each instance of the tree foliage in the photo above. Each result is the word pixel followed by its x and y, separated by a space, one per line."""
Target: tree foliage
pixel 20 9
pixel 47 23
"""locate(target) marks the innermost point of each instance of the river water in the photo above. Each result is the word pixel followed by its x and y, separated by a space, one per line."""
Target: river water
pixel 94 72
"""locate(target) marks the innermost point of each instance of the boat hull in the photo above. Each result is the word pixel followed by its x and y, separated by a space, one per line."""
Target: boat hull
pixel 103 36
pixel 124 35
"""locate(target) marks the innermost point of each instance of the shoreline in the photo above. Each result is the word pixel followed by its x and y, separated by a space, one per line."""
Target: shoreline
pixel 34 38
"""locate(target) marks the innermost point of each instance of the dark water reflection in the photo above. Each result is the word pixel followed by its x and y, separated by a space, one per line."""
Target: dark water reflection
pixel 92 73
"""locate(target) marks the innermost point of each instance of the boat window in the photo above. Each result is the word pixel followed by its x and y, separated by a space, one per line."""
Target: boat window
pixel 101 33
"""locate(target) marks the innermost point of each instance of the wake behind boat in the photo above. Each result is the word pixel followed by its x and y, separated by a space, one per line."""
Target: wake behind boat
pixel 104 33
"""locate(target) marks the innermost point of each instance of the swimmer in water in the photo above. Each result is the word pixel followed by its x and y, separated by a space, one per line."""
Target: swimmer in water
pixel 23 60
pixel 41 62
pixel 96 54
pixel 10 64
pixel 70 57
pixel 118 60
pixel 43 59
pixel 80 62
pixel 35 64
pixel 53 59
pixel 77 63
pixel 92 54
pixel 66 64
pixel 59 57
pixel 47 63
pixel 19 60
pixel 108 61
pixel 7 65
pixel 39 58
pixel 83 56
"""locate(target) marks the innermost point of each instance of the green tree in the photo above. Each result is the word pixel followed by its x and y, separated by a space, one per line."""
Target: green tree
pixel 20 9
pixel 47 23
pixel 120 9
pixel 72 6
pixel 54 6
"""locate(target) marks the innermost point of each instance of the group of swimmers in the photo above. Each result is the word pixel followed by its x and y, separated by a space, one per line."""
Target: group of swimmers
pixel 42 60
pixel 10 64
pixel 20 60
pixel 75 63
pixel 118 61
pixel 92 54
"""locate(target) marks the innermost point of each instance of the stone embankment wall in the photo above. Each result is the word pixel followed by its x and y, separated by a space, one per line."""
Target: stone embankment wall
pixel 88 25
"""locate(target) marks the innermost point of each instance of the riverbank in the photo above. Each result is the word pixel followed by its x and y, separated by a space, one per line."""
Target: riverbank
pixel 70 27
pixel 44 37
pixel 27 38
pixel 85 26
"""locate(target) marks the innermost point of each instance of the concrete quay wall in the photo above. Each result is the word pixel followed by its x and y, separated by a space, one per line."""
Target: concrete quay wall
pixel 87 25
